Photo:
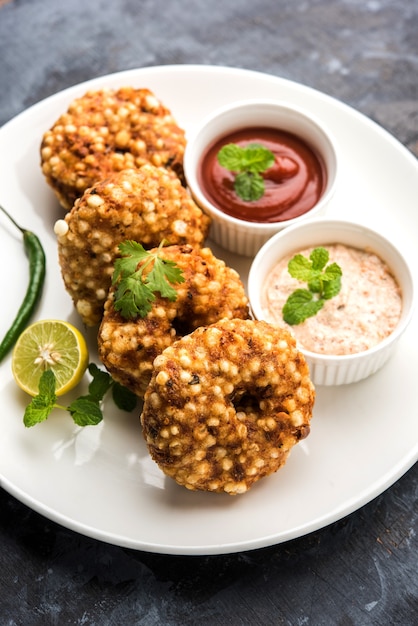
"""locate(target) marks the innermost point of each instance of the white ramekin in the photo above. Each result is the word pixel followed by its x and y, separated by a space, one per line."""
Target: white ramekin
pixel 331 369
pixel 241 236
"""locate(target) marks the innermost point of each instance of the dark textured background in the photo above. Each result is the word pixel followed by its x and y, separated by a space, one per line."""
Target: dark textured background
pixel 359 571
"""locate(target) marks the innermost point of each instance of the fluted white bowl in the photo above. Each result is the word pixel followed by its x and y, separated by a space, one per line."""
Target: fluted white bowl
pixel 336 369
pixel 237 235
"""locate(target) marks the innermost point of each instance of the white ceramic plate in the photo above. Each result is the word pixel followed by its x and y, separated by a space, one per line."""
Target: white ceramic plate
pixel 100 481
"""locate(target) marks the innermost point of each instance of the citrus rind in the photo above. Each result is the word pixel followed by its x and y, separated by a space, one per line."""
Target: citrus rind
pixel 49 344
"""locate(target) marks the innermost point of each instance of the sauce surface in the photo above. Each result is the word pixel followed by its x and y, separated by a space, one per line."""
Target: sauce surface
pixel 293 184
pixel 366 310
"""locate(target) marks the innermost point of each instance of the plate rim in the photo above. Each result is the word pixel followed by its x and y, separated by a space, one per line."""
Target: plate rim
pixel 403 466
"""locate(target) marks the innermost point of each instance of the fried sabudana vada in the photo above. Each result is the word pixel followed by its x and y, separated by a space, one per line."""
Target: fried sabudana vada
pixel 211 290
pixel 147 205
pixel 106 131
pixel 226 404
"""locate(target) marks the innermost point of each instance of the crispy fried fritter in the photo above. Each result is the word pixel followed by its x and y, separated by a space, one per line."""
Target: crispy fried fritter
pixel 147 205
pixel 226 404
pixel 211 291
pixel 105 131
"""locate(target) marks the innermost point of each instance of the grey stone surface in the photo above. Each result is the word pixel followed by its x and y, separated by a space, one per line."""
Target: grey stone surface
pixel 359 571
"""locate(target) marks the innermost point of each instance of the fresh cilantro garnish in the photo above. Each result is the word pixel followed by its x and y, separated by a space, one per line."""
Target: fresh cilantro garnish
pixel 247 162
pixel 323 283
pixel 85 410
pixel 135 291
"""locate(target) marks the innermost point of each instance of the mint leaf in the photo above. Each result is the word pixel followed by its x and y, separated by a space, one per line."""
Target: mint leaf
pixel 331 288
pixel 249 186
pixel 316 285
pixel 42 404
pixel 300 267
pixel 248 163
pixel 319 258
pixel 230 157
pixel 124 399
pixel 85 411
pixel 47 386
pixel 323 282
pixel 37 411
pixel 101 383
pixel 332 272
pixel 300 305
pixel 256 158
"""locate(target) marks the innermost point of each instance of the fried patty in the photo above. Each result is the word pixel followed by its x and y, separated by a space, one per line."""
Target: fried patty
pixel 147 205
pixel 211 290
pixel 226 404
pixel 106 131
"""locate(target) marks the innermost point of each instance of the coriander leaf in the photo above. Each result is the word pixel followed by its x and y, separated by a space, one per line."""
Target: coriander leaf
pixel 85 411
pixel 42 404
pixel 136 289
pixel 299 306
pixel 133 297
pixel 249 186
pixel 172 271
pixel 123 398
pixel 132 254
pixel 159 281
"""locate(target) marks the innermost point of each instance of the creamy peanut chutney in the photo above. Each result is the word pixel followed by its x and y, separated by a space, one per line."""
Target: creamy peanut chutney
pixel 366 310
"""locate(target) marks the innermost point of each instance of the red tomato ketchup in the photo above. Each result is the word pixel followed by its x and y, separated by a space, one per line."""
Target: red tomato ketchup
pixel 293 185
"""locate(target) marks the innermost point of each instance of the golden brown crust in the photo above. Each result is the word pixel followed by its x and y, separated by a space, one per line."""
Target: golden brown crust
pixel 210 291
pixel 147 205
pixel 226 404
pixel 106 131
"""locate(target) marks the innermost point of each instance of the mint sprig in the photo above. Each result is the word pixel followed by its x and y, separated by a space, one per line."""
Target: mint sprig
pixel 247 163
pixel 85 410
pixel 323 283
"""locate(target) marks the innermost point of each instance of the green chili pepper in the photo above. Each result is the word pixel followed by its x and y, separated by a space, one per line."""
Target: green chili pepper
pixel 36 255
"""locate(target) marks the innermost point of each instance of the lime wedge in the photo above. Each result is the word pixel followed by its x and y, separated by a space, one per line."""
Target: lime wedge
pixel 54 345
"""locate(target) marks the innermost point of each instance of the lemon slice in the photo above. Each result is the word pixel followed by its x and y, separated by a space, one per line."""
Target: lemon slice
pixel 54 345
